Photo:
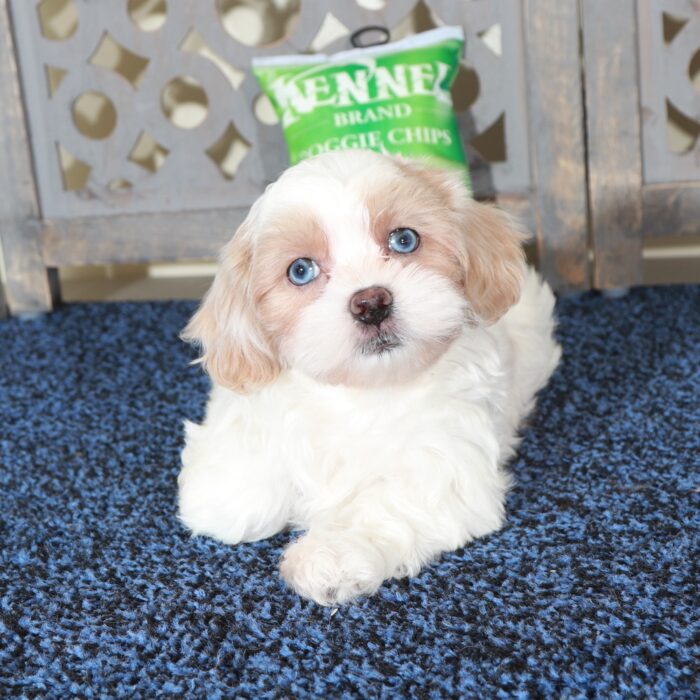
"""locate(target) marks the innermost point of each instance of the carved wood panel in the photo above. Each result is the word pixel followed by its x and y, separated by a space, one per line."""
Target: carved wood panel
pixel 669 60
pixel 141 106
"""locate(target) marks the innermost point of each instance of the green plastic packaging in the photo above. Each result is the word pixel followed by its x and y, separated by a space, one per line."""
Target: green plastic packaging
pixel 394 98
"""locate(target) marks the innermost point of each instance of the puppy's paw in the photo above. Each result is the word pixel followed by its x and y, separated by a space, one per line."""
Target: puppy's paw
pixel 332 569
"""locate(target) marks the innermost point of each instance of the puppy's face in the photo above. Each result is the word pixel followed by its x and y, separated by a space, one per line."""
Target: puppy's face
pixel 355 268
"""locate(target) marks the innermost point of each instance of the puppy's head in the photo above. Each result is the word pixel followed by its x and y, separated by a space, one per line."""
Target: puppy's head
pixel 355 268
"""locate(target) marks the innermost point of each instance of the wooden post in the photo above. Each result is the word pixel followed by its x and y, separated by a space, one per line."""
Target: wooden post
pixel 28 289
pixel 557 141
pixel 3 303
pixel 614 141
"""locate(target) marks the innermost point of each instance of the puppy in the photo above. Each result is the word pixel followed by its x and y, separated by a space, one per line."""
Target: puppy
pixel 375 340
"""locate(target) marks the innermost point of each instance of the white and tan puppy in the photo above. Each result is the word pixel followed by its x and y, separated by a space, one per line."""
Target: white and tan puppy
pixel 375 341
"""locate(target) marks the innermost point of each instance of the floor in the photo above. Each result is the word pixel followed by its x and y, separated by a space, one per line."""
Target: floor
pixel 590 590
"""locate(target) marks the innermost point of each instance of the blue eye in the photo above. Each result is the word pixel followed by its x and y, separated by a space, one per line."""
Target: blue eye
pixel 403 240
pixel 302 271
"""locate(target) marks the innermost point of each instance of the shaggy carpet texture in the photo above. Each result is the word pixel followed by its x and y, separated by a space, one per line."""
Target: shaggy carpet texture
pixel 591 589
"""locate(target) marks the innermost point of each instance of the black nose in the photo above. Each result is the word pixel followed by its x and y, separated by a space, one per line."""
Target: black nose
pixel 371 305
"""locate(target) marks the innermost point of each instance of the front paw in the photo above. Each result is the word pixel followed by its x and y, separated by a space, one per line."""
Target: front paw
pixel 332 569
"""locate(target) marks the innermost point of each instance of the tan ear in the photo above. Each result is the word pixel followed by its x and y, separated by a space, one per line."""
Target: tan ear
pixel 234 349
pixel 489 248
pixel 494 262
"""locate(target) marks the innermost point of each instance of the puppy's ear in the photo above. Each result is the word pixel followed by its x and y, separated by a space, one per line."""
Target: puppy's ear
pixel 487 244
pixel 494 261
pixel 235 351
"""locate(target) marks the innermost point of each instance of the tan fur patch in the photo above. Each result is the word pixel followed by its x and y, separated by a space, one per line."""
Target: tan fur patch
pixel 234 350
pixel 495 261
pixel 409 201
pixel 279 302
pixel 476 246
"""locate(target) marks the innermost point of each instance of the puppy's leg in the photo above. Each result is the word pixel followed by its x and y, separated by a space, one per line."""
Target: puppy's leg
pixel 389 530
pixel 228 490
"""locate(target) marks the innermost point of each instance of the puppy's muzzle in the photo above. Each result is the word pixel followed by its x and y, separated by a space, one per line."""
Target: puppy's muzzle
pixel 371 305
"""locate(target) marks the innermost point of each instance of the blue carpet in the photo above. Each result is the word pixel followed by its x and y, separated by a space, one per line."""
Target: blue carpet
pixel 591 590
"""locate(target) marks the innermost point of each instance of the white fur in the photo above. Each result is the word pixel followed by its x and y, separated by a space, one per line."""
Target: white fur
pixel 426 309
pixel 382 475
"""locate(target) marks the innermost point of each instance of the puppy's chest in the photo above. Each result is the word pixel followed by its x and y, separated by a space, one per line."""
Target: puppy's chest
pixel 372 431
pixel 368 426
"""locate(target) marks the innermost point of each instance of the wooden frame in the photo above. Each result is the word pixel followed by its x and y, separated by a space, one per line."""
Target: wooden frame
pixel 670 180
pixel 578 183
pixel 3 301
pixel 632 200
pixel 671 209
pixel 547 177
pixel 557 141
pixel 28 289
pixel 614 143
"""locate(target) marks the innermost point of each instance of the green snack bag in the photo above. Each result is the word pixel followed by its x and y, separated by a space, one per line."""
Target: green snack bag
pixel 394 98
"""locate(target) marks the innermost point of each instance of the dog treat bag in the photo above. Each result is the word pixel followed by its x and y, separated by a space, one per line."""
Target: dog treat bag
pixel 393 98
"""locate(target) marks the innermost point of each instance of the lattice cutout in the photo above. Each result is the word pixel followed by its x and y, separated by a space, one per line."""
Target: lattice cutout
pixel 669 50
pixel 54 77
pixel 694 71
pixel 264 111
pixel 331 30
pixel 147 153
pixel 681 131
pixel 375 5
pixel 119 185
pixel 492 38
pixel 94 115
pixel 420 19
pixel 193 43
pixel 465 89
pixel 110 54
pixel 147 15
pixel 58 19
pixel 74 172
pixel 258 22
pixel 490 144
pixel 671 26
pixel 184 102
pixel 228 151
pixel 183 124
